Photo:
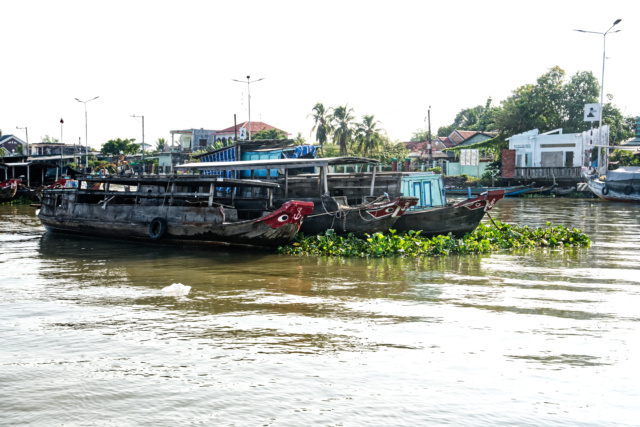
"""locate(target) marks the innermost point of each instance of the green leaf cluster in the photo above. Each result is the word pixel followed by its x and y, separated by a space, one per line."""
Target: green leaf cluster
pixel 484 239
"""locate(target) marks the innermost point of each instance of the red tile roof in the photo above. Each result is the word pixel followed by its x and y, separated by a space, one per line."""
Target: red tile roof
pixel 255 127
pixel 446 141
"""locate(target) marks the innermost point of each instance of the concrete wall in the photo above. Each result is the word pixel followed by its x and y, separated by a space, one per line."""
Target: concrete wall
pixel 454 168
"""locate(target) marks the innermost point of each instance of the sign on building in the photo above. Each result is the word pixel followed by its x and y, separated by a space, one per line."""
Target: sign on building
pixel 591 112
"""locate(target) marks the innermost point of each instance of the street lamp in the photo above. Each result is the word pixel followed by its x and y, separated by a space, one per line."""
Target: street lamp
pixel 86 139
pixel 249 99
pixel 27 133
pixel 604 44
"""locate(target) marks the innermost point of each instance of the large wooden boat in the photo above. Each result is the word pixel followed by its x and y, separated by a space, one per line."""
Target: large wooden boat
pixel 620 185
pixel 182 209
pixel 457 219
pixel 368 213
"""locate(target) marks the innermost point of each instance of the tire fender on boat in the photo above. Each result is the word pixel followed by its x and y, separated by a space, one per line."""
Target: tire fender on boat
pixel 157 228
pixel 628 190
pixel 605 190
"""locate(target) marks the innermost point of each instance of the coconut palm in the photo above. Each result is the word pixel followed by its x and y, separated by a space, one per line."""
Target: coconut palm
pixel 368 136
pixel 322 124
pixel 342 124
pixel 161 144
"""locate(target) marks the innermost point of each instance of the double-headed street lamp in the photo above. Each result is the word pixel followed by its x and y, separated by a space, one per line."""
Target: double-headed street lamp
pixel 86 139
pixel 249 99
pixel 604 44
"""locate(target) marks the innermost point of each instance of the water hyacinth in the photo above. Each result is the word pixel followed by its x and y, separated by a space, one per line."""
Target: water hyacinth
pixel 484 239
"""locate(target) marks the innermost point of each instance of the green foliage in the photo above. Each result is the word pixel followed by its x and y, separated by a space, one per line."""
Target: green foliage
pixel 2 152
pixel 624 158
pixel 300 140
pixel 479 118
pixel 161 144
pixel 49 139
pixel 322 124
pixel 484 239
pixel 342 125
pixel 419 136
pixel 269 134
pixel 368 138
pixel 120 146
pixel 435 170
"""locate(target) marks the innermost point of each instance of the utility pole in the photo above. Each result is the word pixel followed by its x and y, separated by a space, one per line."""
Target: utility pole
pixel 142 117
pixel 249 98
pixel 429 137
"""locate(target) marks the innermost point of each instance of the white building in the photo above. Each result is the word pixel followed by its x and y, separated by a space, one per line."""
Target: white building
pixel 555 149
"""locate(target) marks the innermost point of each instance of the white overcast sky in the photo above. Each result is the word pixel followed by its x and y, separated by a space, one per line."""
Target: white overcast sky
pixel 173 61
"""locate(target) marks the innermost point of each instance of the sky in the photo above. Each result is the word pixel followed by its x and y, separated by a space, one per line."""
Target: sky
pixel 174 62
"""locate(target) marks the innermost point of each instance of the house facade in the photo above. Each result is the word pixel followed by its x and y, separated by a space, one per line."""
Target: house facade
pixel 12 145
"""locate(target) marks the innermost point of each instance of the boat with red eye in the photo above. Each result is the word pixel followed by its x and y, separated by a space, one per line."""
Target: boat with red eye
pixel 189 209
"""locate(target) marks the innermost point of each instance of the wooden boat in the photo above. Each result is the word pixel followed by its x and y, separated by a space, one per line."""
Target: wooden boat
pixel 370 214
pixel 620 185
pixel 540 190
pixel 563 191
pixel 8 189
pixel 334 213
pixel 182 209
pixel 457 219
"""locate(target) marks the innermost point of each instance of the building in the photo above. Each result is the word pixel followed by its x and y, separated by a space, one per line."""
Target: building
pixel 12 145
pixel 553 155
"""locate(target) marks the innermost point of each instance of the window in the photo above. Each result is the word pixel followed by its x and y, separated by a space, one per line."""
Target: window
pixel 203 143
pixel 568 159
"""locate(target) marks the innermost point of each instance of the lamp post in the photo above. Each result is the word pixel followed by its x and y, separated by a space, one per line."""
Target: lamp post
pixel 249 98
pixel 141 117
pixel 604 44
pixel 61 147
pixel 86 133
pixel 26 131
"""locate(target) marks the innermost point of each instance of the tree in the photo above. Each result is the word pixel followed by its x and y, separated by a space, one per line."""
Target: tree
pixel 300 139
pixel 269 134
pixel 120 146
pixel 479 118
pixel 161 144
pixel 419 136
pixel 322 124
pixel 549 104
pixel 342 125
pixel 49 139
pixel 367 136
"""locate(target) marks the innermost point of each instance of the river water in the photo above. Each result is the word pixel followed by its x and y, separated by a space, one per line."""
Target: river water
pixel 535 338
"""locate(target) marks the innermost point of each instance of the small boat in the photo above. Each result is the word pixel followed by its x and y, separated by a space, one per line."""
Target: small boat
pixel 620 185
pixel 563 191
pixel 508 191
pixel 457 219
pixel 8 189
pixel 181 209
pixel 540 190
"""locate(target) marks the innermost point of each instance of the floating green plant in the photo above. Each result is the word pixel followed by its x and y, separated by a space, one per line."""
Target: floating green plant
pixel 484 239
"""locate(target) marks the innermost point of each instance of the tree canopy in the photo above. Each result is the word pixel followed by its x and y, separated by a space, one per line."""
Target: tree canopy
pixel 269 134
pixel 120 146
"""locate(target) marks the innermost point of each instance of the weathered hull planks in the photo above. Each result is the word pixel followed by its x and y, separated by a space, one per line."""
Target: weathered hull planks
pixel 457 219
pixel 183 223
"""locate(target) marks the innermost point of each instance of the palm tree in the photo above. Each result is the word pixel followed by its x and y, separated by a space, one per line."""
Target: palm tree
pixel 368 137
pixel 322 124
pixel 161 144
pixel 342 124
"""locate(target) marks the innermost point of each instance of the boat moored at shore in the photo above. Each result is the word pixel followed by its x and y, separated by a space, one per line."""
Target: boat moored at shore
pixel 181 209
